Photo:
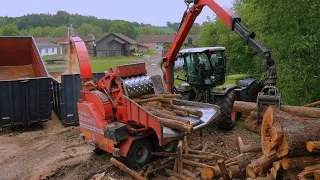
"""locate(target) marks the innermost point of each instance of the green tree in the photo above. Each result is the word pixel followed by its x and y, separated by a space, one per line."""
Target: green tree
pixel 125 28
pixel 147 30
pixel 10 30
pixel 59 32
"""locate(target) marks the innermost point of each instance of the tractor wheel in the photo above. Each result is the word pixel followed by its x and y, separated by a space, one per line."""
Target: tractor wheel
pixel 252 92
pixel 169 147
pixel 228 117
pixel 139 153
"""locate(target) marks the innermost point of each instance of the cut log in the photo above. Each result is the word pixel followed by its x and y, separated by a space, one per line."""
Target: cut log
pixel 166 114
pixel 189 156
pixel 160 95
pixel 198 147
pixel 316 175
pixel 176 125
pixel 241 106
pixel 156 170
pixel 297 163
pixel 215 156
pixel 149 169
pixel 259 166
pixel 236 173
pixel 314 104
pixel 148 100
pixel 274 172
pixel 313 146
pixel 189 111
pixel 166 100
pixel 286 135
pixel 248 148
pixel 233 158
pixel 153 104
pixel 180 113
pixel 223 169
pixel 142 170
pixel 231 163
pixel 276 165
pixel 167 160
pixel 244 160
pixel 207 173
pixel 172 173
pixel 179 157
pixel 252 125
pixel 189 174
pixel 126 169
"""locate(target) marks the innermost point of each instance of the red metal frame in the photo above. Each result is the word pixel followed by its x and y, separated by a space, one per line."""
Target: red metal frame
pixel 225 15
pixel 96 109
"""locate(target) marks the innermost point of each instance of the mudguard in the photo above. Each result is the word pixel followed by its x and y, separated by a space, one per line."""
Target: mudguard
pixel 224 89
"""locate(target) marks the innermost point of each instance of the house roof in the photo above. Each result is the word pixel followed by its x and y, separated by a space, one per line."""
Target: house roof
pixel 122 38
pixel 161 38
pixel 118 40
pixel 46 45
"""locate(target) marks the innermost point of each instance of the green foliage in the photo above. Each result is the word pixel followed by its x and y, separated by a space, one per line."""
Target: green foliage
pixel 289 30
pixel 10 30
pixel 151 52
pixel 125 28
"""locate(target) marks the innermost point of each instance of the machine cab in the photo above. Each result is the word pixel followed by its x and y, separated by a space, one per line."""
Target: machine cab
pixel 204 67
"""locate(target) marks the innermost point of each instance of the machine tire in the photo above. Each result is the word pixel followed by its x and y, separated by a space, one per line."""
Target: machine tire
pixel 171 147
pixel 226 104
pixel 252 92
pixel 142 148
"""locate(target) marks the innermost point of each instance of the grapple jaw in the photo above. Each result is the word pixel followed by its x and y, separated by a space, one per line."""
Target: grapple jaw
pixel 269 96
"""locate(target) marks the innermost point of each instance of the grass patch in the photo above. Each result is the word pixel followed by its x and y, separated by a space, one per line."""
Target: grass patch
pixel 116 58
pixel 105 66
pixel 151 52
pixel 51 56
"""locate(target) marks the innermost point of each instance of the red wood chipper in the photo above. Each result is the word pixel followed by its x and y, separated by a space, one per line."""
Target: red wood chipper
pixel 112 121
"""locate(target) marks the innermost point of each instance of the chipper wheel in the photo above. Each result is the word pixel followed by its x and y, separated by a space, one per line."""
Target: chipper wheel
pixel 228 117
pixel 139 153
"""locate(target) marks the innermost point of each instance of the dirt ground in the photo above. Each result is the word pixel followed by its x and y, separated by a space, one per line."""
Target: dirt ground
pixel 51 151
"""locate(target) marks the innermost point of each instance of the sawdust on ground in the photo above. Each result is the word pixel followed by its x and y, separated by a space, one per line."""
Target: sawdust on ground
pixel 52 151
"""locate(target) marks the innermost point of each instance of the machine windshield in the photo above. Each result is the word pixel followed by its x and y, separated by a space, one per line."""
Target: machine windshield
pixel 200 66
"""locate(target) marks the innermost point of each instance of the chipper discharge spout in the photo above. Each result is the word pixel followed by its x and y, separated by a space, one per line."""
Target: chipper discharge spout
pixel 129 114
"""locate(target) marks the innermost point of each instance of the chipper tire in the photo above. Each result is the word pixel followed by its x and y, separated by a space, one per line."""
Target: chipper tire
pixel 171 147
pixel 228 117
pixel 139 154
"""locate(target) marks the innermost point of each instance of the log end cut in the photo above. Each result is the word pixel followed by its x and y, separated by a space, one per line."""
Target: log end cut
pixel 207 173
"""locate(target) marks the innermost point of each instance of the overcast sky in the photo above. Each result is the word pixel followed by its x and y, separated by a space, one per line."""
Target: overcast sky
pixel 145 11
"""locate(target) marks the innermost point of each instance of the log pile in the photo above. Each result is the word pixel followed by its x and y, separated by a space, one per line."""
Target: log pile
pixel 290 142
pixel 170 115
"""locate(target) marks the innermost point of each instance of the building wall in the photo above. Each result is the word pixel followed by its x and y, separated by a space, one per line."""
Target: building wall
pixel 109 47
pixel 48 51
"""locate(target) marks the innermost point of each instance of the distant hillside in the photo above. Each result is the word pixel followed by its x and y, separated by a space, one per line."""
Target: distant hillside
pixel 55 25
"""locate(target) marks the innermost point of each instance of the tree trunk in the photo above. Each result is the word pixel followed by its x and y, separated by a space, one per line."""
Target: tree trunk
pixel 314 104
pixel 153 104
pixel 313 146
pixel 259 166
pixel 297 163
pixel 126 169
pixel 156 170
pixel 252 125
pixel 236 173
pixel 241 106
pixel 286 134
pixel 213 155
pixel 174 124
pixel 180 113
pixel 148 100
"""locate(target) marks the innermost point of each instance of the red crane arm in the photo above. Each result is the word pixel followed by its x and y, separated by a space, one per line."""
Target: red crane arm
pixel 233 22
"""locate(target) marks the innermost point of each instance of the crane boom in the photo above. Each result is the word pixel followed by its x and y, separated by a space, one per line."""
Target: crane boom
pixel 233 22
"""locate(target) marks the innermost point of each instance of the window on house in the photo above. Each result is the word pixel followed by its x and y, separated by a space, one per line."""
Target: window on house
pixel 52 49
pixel 114 46
pixel 47 50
